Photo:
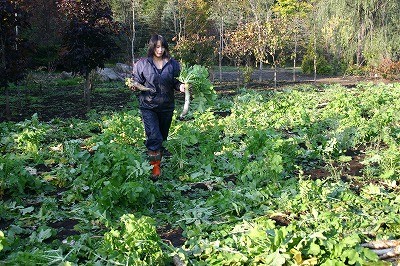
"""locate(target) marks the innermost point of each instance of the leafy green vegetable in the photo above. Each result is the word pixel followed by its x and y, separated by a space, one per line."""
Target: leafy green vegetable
pixel 203 91
pixel 134 242
pixel 271 182
pixel 2 240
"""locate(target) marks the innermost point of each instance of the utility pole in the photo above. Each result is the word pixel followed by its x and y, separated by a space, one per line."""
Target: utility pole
pixel 133 33
pixel 16 31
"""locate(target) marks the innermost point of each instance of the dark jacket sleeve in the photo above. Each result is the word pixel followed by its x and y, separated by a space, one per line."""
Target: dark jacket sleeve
pixel 137 72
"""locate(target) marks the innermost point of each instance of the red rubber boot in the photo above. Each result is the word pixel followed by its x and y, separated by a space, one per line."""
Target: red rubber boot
pixel 155 161
pixel 156 171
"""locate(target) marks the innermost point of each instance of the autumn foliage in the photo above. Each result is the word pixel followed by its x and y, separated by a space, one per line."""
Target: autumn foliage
pixel 389 69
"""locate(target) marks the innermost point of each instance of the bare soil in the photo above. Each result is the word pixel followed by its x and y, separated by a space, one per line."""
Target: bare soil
pixel 285 77
pixel 171 235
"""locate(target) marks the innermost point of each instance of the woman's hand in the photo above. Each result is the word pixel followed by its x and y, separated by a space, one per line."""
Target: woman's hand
pixel 133 85
pixel 182 87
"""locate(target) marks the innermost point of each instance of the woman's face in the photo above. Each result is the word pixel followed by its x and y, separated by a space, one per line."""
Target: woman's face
pixel 159 50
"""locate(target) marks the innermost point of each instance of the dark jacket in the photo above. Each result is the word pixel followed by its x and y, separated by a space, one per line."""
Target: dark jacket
pixel 164 83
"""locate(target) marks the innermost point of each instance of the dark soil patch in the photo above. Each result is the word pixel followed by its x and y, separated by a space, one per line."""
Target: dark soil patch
pixel 199 189
pixel 57 193
pixel 354 167
pixel 222 113
pixel 4 223
pixel 231 178
pixel 42 168
pixel 285 77
pixel 280 219
pixel 350 172
pixel 318 173
pixel 64 228
pixel 171 235
pixel 348 169
pixel 63 102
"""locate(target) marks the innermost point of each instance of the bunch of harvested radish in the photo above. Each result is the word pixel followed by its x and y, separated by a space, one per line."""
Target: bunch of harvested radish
pixel 385 249
pixel 134 84
pixel 196 82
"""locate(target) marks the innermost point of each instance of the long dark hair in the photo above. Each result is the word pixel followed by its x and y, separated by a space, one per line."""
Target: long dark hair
pixel 153 43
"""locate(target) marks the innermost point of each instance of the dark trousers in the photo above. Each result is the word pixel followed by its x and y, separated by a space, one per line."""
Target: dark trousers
pixel 156 127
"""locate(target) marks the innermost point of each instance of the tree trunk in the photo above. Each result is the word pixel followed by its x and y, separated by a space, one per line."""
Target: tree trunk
pixel 238 73
pixel 87 90
pixel 360 44
pixel 3 67
pixel 8 110
pixel 176 32
pixel 133 33
pixel 295 56
pixel 259 38
pixel 315 67
pixel 221 47
pixel 275 72
pixel 315 54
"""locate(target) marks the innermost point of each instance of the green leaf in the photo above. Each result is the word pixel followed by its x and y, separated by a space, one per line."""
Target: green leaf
pixel 275 259
pixel 2 240
pixel 27 210
pixel 314 249
pixel 351 241
pixel 370 255
pixel 42 235
pixel 352 256
pixel 333 262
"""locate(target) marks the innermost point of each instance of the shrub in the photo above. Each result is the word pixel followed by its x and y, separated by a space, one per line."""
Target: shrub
pixel 356 70
pixel 45 56
pixel 247 73
pixel 389 69
pixel 323 66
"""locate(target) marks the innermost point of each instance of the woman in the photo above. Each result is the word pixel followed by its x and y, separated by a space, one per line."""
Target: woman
pixel 156 76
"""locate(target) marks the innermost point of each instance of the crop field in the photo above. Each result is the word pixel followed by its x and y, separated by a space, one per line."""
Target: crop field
pixel 300 175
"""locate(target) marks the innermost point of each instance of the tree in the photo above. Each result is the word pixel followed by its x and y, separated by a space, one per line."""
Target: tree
pixel 224 14
pixel 240 45
pixel 260 14
pixel 189 17
pixel 88 40
pixel 361 32
pixel 126 13
pixel 43 33
pixel 294 13
pixel 13 48
pixel 275 40
pixel 196 49
pixel 139 19
pixel 192 31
